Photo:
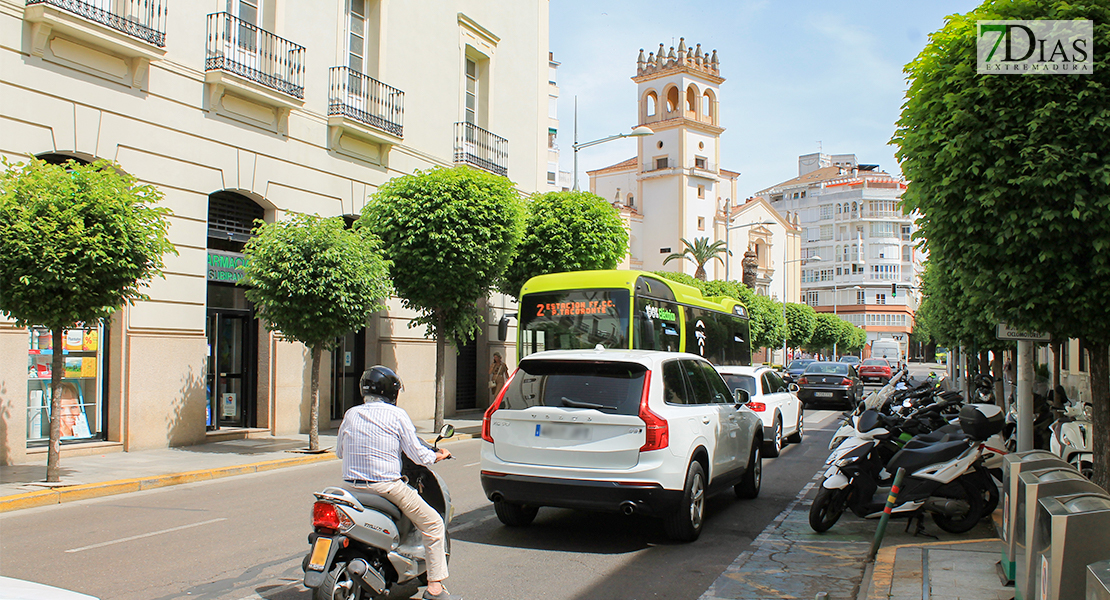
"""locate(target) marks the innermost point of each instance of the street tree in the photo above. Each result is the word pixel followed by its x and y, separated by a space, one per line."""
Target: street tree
pixel 77 242
pixel 699 253
pixel 566 231
pixel 1009 173
pixel 449 233
pixel 801 320
pixel 826 332
pixel 313 280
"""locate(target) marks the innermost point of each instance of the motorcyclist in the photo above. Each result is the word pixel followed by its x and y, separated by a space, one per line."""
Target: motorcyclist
pixel 371 439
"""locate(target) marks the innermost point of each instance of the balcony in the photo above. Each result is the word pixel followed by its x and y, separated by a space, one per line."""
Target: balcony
pixel 117 38
pixel 253 62
pixel 479 148
pixel 367 101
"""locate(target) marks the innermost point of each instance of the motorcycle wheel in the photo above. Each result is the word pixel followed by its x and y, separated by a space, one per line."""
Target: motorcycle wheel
pixel 337 585
pixel 966 491
pixel 991 495
pixel 827 508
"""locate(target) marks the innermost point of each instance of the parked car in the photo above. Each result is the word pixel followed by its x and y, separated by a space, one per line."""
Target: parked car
pixel 19 589
pixel 876 369
pixel 794 369
pixel 629 431
pixel 850 360
pixel 773 400
pixel 830 381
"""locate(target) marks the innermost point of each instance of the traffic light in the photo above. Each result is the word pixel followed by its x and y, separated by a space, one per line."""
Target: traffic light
pixel 894 290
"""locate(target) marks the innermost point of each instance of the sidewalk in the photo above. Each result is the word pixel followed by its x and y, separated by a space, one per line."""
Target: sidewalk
pixel 790 560
pixel 23 486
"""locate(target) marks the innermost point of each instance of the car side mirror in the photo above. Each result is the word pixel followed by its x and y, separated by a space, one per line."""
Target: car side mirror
pixel 793 387
pixel 742 396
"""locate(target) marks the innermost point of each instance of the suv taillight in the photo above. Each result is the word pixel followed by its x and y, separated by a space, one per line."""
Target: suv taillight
pixel 486 435
pixel 656 434
pixel 757 406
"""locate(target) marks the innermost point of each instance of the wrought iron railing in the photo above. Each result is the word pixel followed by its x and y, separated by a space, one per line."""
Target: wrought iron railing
pixel 477 147
pixel 367 100
pixel 243 49
pixel 144 19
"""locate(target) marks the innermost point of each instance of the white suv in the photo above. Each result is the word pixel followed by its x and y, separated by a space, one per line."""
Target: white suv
pixel 633 431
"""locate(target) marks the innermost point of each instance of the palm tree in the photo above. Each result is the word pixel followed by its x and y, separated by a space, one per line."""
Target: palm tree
pixel 699 253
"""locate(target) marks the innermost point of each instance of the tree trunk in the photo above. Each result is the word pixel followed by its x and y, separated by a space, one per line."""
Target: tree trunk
pixel 1100 415
pixel 984 362
pixel 57 369
pixel 699 274
pixel 314 417
pixel 1056 348
pixel 441 368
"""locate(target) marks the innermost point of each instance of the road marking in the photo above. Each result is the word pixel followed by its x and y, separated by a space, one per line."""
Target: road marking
pixel 145 535
pixel 473 464
pixel 256 596
pixel 470 524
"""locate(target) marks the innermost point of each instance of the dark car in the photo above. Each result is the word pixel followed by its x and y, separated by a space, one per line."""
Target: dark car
pixel 850 360
pixel 877 369
pixel 830 382
pixel 794 369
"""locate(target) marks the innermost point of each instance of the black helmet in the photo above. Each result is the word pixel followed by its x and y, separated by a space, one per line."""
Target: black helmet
pixel 381 381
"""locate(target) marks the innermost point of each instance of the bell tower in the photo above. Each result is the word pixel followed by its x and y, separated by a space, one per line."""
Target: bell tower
pixel 679 176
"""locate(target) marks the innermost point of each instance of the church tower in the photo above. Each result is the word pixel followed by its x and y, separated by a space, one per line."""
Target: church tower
pixel 679 177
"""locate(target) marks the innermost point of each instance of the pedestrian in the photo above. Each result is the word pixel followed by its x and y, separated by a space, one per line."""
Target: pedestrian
pixel 371 439
pixel 498 374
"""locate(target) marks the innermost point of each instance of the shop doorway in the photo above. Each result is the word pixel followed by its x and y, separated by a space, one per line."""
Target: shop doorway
pixel 348 361
pixel 232 332
pixel 466 376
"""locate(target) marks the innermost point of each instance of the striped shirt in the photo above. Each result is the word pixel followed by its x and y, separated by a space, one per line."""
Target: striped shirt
pixel 371 440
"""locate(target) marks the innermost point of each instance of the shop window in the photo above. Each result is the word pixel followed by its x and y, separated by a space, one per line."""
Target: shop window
pixel 82 391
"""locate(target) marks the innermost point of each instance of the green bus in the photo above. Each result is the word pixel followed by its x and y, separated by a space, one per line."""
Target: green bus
pixel 630 309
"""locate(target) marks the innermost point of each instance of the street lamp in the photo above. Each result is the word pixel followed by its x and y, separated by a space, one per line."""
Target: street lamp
pixel 640 131
pixel 786 330
pixel 729 228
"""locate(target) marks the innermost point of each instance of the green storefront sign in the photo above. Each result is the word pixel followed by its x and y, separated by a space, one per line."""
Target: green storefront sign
pixel 225 266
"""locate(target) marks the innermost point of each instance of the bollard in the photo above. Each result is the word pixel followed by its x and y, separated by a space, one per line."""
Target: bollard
pixel 890 500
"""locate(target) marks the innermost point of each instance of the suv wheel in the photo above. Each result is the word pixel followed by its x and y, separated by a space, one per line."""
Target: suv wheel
pixel 774 447
pixel 796 437
pixel 514 515
pixel 753 477
pixel 685 524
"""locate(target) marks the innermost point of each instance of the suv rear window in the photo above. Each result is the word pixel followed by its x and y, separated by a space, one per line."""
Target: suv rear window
pixel 612 387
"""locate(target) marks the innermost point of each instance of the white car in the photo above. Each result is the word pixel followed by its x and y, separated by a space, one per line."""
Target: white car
pixel 20 589
pixel 633 431
pixel 774 401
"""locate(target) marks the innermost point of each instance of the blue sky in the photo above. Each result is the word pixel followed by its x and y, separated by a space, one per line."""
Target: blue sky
pixel 797 73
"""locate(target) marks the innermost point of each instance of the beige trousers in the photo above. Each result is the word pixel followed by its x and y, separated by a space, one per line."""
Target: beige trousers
pixel 424 517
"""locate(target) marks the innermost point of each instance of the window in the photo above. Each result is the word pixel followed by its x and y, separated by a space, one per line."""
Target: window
pixel 811 298
pixel 905 233
pixel 907 254
pixel 674 386
pixel 652 100
pixel 838 209
pixel 631 201
pixel 826 232
pixel 861 297
pixel 701 191
pixel 661 163
pixel 552 107
pixel 701 223
pixel 880 298
pixel 882 230
pixel 803 193
pixel 836 254
pixel 672 99
pixel 471 91
pixel 826 211
pixel 853 209
pixel 699 162
pixel 356 43
pixel 691 100
pixel 551 169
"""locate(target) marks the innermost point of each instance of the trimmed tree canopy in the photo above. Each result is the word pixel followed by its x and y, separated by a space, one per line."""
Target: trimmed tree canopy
pixel 801 320
pixel 566 231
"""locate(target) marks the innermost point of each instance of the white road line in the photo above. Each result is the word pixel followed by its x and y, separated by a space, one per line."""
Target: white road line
pixel 255 595
pixel 145 535
pixel 470 524
pixel 473 464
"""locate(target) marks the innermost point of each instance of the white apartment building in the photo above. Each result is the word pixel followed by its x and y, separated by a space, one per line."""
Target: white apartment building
pixel 244 109
pixel 674 188
pixel 557 181
pixel 850 219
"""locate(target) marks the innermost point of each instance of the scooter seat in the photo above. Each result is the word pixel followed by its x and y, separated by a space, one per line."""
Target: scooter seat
pixel 913 459
pixel 373 501
pixel 926 440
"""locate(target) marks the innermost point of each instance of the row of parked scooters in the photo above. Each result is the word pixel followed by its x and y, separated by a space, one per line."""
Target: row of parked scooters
pixel 945 446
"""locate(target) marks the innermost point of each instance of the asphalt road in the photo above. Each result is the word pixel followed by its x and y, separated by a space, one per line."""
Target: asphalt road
pixel 244 537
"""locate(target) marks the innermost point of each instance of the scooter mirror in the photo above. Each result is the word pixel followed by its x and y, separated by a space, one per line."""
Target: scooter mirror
pixel 447 431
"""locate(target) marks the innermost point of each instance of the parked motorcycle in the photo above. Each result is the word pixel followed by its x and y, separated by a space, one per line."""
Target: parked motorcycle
pixel 1071 434
pixel 362 545
pixel 945 478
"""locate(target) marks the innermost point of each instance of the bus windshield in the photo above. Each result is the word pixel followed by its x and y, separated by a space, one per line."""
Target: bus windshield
pixel 574 320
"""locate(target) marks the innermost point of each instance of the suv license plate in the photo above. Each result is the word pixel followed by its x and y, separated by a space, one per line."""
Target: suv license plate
pixel 823 394
pixel 563 432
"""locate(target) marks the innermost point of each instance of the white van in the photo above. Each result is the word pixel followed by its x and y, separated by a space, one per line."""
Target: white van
pixel 890 350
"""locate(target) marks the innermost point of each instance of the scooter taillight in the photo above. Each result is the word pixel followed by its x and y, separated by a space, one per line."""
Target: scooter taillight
pixel 325 517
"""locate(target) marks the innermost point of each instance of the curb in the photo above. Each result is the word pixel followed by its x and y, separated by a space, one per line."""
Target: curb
pixel 882 570
pixel 123 486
